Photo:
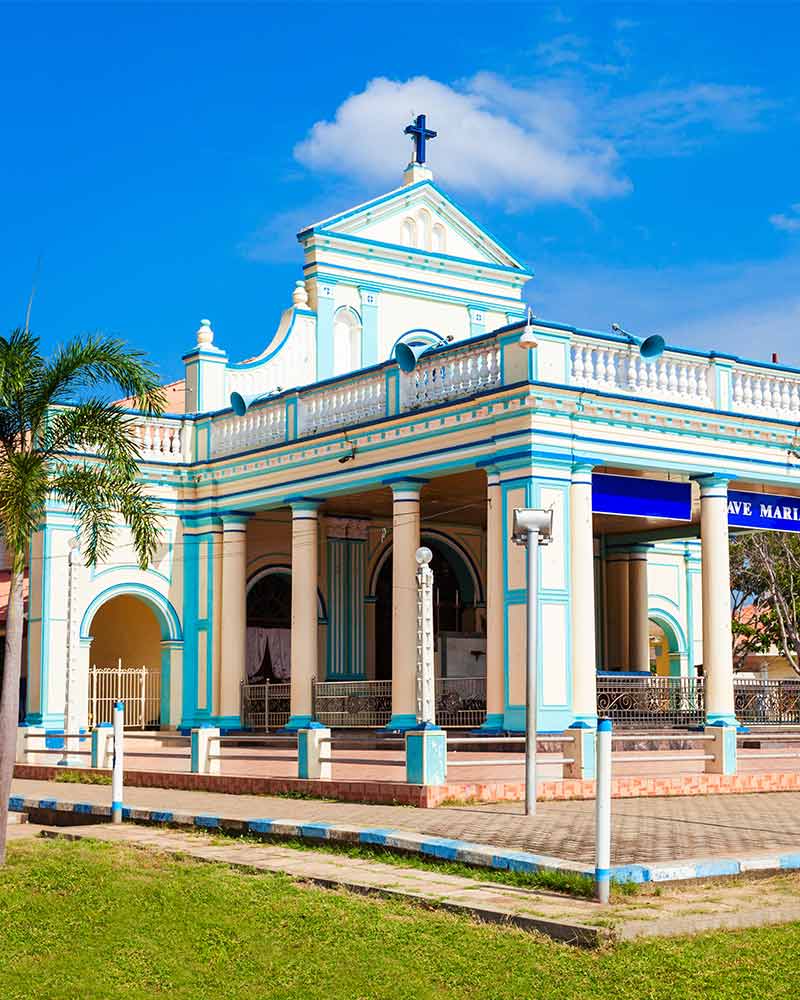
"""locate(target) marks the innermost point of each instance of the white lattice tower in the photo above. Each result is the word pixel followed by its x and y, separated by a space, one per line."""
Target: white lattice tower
pixel 426 690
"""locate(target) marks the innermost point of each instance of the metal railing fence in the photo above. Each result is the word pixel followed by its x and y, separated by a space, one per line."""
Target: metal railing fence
pixel 641 702
pixel 265 706
pixel 767 702
pixel 362 704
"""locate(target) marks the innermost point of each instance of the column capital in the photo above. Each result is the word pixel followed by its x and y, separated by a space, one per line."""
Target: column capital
pixel 234 520
pixel 406 489
pixel 713 483
pixel 582 472
pixel 304 507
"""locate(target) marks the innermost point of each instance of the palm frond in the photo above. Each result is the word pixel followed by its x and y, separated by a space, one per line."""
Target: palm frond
pixel 96 494
pixel 97 428
pixel 24 484
pixel 86 361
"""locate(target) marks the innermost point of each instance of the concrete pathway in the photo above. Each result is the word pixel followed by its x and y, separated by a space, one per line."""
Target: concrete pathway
pixel 645 831
pixel 577 921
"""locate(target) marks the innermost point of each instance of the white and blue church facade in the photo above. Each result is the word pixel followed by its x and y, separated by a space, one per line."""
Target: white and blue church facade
pixel 297 487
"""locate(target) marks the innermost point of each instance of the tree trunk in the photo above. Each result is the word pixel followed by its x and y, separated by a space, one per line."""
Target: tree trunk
pixel 9 699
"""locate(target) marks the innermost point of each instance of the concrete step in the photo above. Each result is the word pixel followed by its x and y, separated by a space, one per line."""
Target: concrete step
pixel 15 818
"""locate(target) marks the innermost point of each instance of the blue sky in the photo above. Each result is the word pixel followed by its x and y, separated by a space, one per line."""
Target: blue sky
pixel 643 159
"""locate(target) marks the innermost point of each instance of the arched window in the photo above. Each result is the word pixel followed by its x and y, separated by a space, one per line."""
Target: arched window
pixel 424 217
pixel 438 237
pixel 346 341
pixel 409 233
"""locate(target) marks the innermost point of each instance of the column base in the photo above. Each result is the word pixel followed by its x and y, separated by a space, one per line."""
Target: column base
pixel 722 720
pixel 400 722
pixel 227 723
pixel 549 720
pixel 491 726
pixel 299 722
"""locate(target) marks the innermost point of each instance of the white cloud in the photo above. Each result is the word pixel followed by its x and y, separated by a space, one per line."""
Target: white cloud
pixel 787 223
pixel 557 138
pixel 495 141
pixel 675 119
pixel 562 49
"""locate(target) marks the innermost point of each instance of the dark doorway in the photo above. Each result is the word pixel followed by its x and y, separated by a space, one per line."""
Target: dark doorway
pixel 269 608
pixel 452 596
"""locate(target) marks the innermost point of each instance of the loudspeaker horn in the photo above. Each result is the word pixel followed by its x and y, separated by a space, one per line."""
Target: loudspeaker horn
pixel 650 348
pixel 241 403
pixel 408 355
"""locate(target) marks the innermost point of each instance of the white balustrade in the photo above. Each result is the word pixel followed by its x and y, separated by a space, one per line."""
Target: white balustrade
pixel 261 426
pixel 621 369
pixel 342 404
pixel 766 393
pixel 160 440
pixel 451 374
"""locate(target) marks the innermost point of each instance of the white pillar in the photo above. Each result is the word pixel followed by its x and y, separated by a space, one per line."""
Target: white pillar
pixel 584 666
pixel 405 542
pixel 717 632
pixel 639 622
pixel 305 647
pixel 617 593
pixel 495 670
pixel 234 618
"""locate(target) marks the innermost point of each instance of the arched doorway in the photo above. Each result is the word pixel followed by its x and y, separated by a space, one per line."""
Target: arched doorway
pixel 125 662
pixel 456 594
pixel 667 648
pixel 269 627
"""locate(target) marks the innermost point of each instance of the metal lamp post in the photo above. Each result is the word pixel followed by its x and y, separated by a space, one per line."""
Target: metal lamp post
pixel 532 528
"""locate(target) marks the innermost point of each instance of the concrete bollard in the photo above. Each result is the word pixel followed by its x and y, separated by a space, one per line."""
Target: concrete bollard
pixel 118 762
pixel 602 869
pixel 205 742
pixel 312 744
pixel 722 748
pixel 582 751
pixel 426 755
pixel 103 746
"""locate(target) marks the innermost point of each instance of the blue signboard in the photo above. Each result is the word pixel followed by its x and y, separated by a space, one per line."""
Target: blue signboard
pixel 638 497
pixel 763 510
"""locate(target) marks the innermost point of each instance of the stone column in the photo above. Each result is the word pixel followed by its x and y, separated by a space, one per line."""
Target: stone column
pixel 584 666
pixel 405 542
pixel 717 633
pixel 639 622
pixel 305 646
pixel 234 618
pixel 495 670
pixel 617 593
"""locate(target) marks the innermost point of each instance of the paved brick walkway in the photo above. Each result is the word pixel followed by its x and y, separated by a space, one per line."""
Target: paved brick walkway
pixel 644 830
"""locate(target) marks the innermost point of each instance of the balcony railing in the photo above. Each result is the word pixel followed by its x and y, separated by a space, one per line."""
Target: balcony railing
pixel 484 364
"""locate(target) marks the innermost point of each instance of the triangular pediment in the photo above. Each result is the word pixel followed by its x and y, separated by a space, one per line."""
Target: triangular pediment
pixel 418 217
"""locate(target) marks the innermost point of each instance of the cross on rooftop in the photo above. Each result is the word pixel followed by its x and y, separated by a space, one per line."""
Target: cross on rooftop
pixel 420 135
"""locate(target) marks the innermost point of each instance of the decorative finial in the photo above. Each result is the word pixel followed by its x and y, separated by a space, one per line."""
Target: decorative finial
pixel 300 295
pixel 205 335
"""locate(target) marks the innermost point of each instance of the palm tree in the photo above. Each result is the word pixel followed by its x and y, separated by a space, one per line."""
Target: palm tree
pixel 49 409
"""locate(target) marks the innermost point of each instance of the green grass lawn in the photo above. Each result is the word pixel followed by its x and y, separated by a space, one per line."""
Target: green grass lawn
pixel 81 921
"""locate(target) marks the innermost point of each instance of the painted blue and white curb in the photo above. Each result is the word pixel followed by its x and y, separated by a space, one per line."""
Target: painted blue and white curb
pixel 442 848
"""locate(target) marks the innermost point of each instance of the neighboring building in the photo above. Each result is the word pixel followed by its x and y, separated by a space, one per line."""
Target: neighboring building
pixel 297 486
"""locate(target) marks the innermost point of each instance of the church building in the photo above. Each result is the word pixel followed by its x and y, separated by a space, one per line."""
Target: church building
pixel 407 398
